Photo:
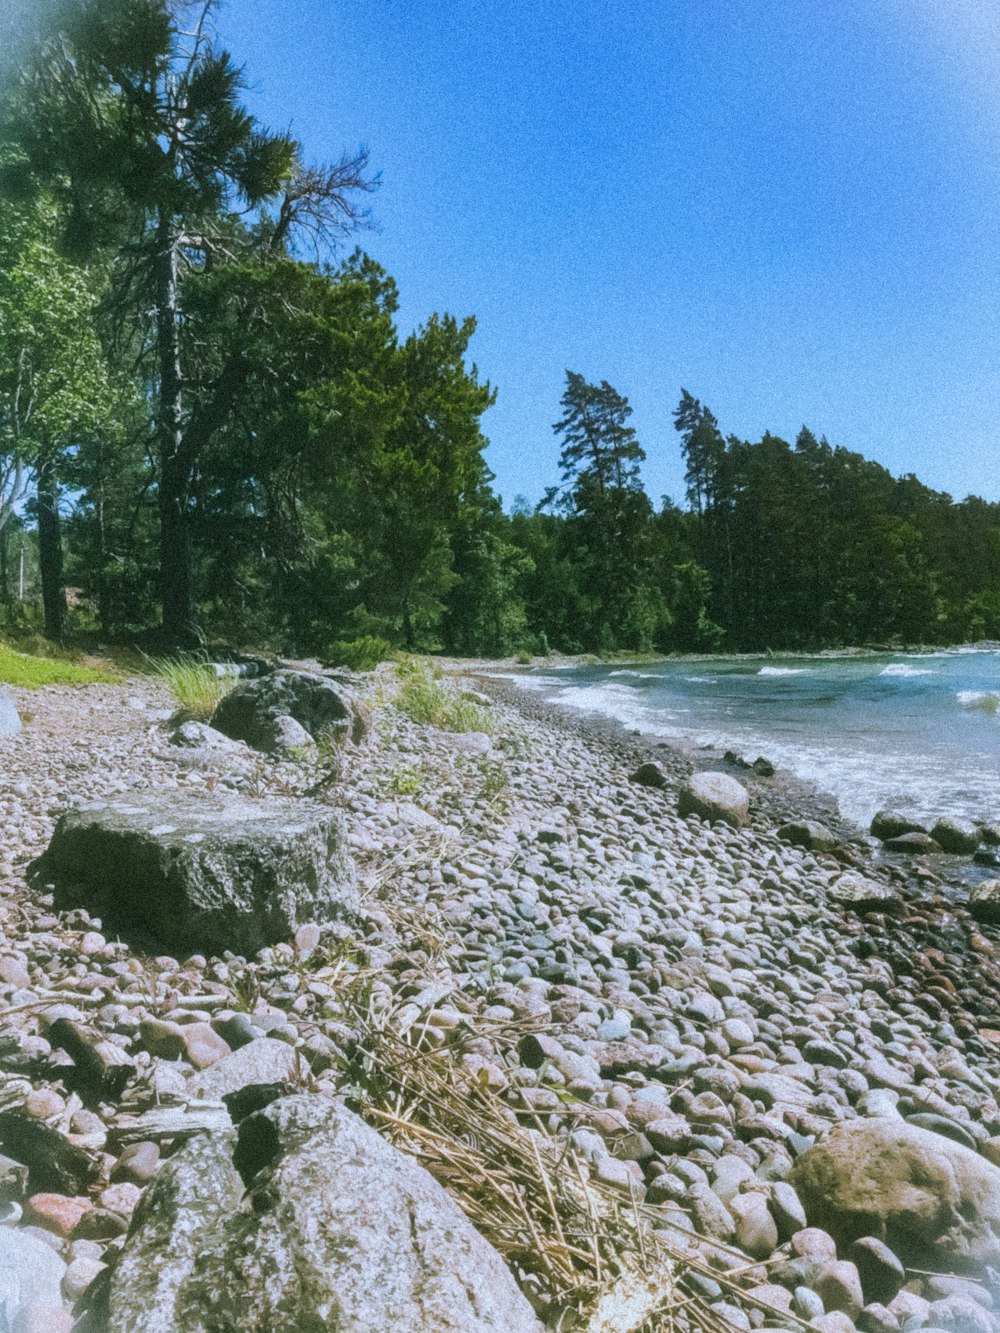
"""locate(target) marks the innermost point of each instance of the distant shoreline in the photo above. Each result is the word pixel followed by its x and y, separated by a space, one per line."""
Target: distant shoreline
pixel 784 797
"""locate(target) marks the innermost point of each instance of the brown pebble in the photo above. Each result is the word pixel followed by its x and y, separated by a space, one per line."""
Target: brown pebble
pixel 100 1224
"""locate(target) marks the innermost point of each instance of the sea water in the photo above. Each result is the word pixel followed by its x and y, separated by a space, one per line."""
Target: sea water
pixel 919 733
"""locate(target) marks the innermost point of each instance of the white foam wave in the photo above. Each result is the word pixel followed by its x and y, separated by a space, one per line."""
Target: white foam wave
pixel 903 669
pixel 636 675
pixel 984 701
pixel 782 671
pixel 701 680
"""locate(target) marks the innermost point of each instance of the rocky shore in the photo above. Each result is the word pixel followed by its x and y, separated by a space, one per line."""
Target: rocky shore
pixel 676 1074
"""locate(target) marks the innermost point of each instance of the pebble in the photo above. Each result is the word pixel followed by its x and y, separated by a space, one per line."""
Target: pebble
pixel 79 1275
pixel 203 1046
pixel 57 1213
pixel 138 1164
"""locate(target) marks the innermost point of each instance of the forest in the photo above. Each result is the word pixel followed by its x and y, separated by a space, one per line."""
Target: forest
pixel 212 429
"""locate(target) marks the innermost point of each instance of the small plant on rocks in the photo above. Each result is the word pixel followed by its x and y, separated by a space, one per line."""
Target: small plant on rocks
pixel 430 700
pixel 195 684
pixel 406 779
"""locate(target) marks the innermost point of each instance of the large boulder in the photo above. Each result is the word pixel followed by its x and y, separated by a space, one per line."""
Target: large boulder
pixel 934 1202
pixel 955 836
pixel 30 1274
pixel 984 901
pixel 258 711
pixel 891 824
pixel 202 873
pixel 714 796
pixel 10 723
pixel 305 1219
pixel 912 844
pixel 808 833
pixel 858 892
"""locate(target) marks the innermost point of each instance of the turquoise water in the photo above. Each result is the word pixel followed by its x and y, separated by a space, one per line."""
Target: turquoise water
pixel 920 733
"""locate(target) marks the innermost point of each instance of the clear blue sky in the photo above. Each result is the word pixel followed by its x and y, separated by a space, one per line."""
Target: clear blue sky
pixel 789 207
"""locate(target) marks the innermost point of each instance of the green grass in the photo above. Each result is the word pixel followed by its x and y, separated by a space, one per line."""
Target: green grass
pixel 193 682
pixel 406 780
pixel 429 700
pixel 31 673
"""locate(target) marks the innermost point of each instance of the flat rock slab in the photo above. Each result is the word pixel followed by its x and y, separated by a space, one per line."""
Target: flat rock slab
pixel 202 873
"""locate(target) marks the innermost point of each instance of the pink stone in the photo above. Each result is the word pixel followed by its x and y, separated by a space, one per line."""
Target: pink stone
pixel 121 1198
pixel 58 1213
pixel 203 1045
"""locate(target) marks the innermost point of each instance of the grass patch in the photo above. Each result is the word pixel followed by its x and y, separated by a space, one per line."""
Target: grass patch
pixel 363 654
pixel 406 780
pixel 31 673
pixel 426 697
pixel 193 681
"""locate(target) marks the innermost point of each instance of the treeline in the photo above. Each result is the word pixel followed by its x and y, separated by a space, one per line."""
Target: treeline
pixel 207 428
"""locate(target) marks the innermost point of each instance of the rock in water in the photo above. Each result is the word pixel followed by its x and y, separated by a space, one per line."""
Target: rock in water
pixel 257 711
pixel 10 723
pixel 202 873
pixel 984 901
pixel 714 796
pixel 304 1218
pixel 912 844
pixel 890 824
pixel 932 1201
pixel 953 836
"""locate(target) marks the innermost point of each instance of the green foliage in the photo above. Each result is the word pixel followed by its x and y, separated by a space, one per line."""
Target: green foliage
pixel 195 684
pixel 363 654
pixel 406 780
pixel 523 658
pixel 494 782
pixel 220 430
pixel 31 673
pixel 428 699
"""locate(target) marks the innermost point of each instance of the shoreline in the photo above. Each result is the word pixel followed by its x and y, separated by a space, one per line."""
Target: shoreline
pixel 683 1008
pixel 785 795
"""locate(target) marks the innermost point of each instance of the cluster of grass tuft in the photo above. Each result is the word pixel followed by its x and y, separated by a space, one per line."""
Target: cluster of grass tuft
pixel 195 684
pixel 406 779
pixel 31 673
pixel 430 700
pixel 362 654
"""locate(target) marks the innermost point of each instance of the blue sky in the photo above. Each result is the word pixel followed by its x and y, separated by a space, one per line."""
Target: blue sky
pixel 789 207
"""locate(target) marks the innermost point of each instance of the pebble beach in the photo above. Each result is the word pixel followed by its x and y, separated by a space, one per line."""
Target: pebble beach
pixel 686 1008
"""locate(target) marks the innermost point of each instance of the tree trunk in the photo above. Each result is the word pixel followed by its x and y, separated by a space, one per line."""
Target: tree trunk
pixel 50 554
pixel 176 575
pixel 5 597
